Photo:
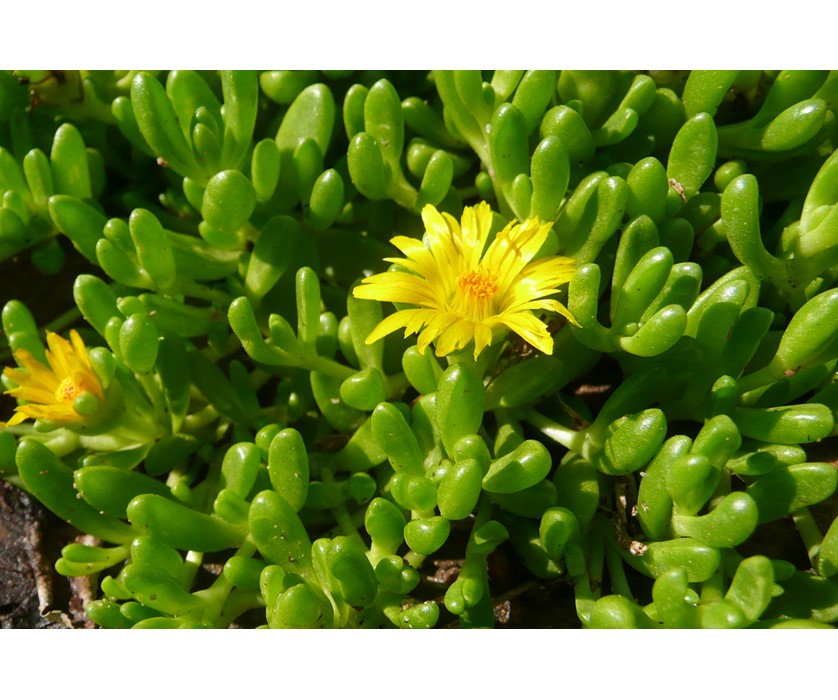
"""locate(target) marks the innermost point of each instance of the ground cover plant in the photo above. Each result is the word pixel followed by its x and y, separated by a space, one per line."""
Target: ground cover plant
pixel 429 349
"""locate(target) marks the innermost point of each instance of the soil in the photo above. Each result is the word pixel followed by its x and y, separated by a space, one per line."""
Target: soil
pixel 32 595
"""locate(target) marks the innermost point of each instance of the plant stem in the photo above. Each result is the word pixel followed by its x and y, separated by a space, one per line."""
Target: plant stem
pixel 809 532
pixel 324 365
pixel 344 520
pixel 616 572
pixel 571 439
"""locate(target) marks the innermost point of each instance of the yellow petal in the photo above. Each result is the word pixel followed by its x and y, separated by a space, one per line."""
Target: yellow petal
pixel 79 349
pixel 16 419
pixel 422 266
pixel 470 230
pixel 464 291
pixel 59 354
pixel 531 329
pixel 30 394
pixel 434 223
pixel 454 337
pixel 482 338
pixel 390 324
pixel 407 245
pixel 420 318
pixel 399 287
pixel 436 326
pixel 34 370
pixel 49 391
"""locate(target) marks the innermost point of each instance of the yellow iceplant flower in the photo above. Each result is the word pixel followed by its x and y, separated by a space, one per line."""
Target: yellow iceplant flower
pixel 463 291
pixel 49 391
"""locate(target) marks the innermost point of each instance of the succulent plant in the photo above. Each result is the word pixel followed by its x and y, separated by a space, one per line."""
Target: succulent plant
pixel 617 292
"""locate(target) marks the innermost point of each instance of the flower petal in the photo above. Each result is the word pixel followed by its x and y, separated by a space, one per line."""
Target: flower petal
pixel 436 326
pixel 390 324
pixel 79 349
pixel 49 391
pixel 482 338
pixel 532 329
pixel 463 291
pixel 399 287
pixel 455 337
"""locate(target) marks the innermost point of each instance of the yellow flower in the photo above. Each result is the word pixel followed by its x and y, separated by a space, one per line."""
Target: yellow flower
pixel 50 391
pixel 464 291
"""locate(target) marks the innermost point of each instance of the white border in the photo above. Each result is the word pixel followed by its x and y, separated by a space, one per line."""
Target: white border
pixel 366 34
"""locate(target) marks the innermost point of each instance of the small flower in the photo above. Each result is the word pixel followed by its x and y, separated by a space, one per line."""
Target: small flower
pixel 49 391
pixel 464 291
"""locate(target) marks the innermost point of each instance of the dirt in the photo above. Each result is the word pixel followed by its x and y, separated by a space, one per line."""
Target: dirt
pixel 32 595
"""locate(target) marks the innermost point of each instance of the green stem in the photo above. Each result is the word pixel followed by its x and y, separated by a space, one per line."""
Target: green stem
pixel 217 594
pixel 154 393
pixel 134 428
pixel 596 554
pixel 616 572
pixel 486 359
pixel 61 442
pixel 467 192
pixel 326 366
pixel 713 589
pixel 571 439
pixel 195 421
pixel 584 597
pixel 503 203
pixel 342 516
pixel 376 554
pixel 201 291
pixel 61 322
pixel 109 442
pixel 462 357
pixel 396 385
pixel 760 378
pixel 414 559
pixel 238 602
pixel 191 565
pixel 401 192
pixel 809 532
pixel 484 512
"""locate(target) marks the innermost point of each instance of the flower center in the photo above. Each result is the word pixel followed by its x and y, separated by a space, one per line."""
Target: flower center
pixel 67 391
pixel 477 285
